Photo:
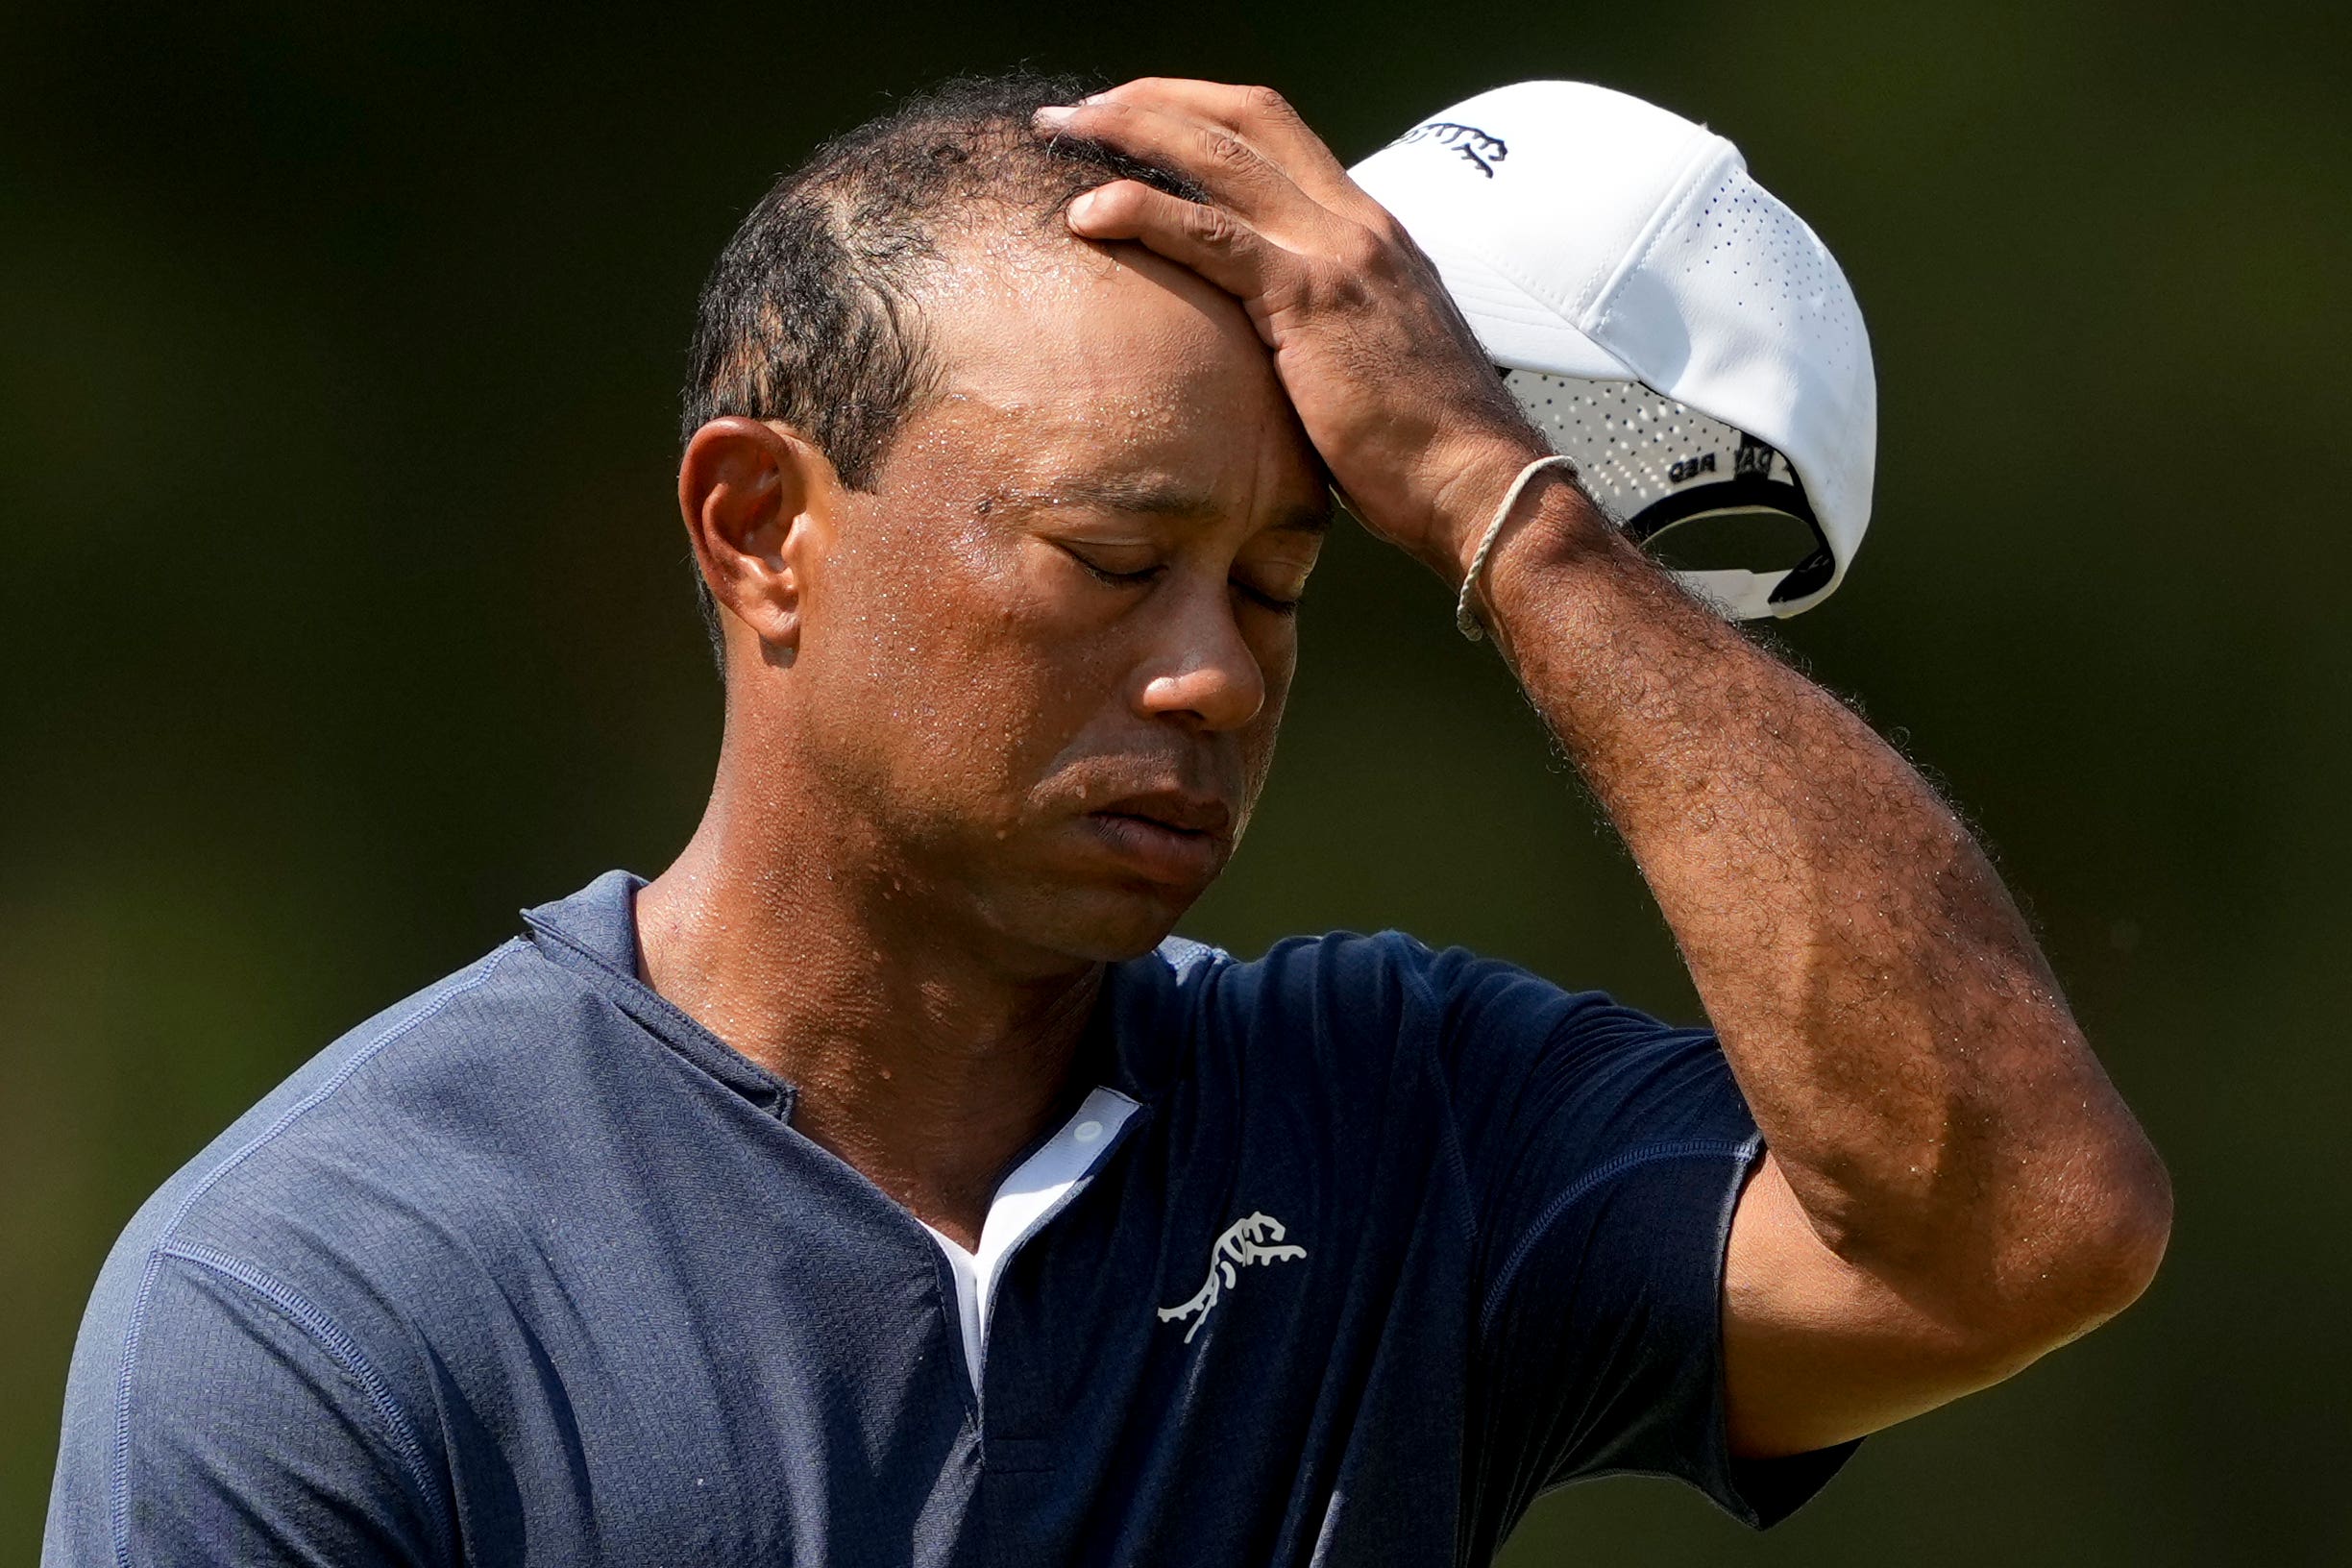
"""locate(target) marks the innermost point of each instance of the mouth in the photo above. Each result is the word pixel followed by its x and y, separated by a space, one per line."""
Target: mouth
pixel 1165 836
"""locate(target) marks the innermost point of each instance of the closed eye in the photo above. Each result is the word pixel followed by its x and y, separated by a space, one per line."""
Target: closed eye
pixel 1266 600
pixel 1124 579
pixel 1153 571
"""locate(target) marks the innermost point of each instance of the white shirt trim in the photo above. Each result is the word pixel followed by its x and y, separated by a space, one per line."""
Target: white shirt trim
pixel 1040 1188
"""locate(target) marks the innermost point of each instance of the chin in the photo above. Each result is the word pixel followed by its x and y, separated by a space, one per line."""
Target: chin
pixel 1100 924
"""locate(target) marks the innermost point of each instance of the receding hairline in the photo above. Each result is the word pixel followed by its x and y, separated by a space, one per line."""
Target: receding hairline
pixel 811 315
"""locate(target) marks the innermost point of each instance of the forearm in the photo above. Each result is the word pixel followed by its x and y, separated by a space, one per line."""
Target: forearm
pixel 1905 1049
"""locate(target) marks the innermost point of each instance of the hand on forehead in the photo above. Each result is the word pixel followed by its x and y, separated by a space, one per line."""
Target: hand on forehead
pixel 1059 361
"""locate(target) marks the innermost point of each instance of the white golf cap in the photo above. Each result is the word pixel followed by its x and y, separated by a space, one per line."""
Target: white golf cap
pixel 1665 320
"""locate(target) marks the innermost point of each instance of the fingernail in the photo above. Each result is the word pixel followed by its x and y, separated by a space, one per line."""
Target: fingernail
pixel 1080 205
pixel 1053 116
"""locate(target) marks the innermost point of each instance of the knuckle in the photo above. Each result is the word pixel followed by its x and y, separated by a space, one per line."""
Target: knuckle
pixel 1226 150
pixel 1267 104
pixel 1212 226
pixel 1361 251
pixel 1382 225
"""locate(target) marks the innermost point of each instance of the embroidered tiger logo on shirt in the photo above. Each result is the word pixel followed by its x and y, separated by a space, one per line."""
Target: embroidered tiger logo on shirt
pixel 1255 1239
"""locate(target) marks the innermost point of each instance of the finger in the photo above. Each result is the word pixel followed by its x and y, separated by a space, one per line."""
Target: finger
pixel 1228 169
pixel 1209 240
pixel 1260 116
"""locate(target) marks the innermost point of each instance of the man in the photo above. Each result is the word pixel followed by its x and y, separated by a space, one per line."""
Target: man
pixel 877 1186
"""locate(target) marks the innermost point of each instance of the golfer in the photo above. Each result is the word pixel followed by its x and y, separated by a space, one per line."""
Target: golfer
pixel 881 1184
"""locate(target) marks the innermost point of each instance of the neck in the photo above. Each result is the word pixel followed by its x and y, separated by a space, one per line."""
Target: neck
pixel 918 1059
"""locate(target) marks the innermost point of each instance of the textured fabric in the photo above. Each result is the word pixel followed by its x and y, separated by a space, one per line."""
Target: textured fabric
pixel 534 1271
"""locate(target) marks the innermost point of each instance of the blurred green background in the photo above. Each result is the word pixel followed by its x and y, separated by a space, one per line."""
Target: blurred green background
pixel 343 607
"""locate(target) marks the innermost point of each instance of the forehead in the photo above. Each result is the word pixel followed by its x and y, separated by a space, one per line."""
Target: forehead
pixel 1058 358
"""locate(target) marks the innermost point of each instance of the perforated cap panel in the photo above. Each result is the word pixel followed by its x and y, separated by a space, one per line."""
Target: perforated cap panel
pixel 1633 446
pixel 1771 264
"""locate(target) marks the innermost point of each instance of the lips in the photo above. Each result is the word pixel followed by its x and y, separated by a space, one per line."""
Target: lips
pixel 1165 836
pixel 1177 809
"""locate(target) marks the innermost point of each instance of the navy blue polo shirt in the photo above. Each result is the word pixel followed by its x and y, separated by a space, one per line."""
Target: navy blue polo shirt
pixel 1368 1246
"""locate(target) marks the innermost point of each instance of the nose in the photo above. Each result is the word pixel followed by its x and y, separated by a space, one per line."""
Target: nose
pixel 1203 670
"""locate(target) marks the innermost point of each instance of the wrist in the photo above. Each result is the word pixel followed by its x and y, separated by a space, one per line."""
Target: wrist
pixel 1543 499
pixel 1474 485
pixel 1554 519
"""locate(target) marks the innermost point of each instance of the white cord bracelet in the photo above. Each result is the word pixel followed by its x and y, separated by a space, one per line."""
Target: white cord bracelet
pixel 1465 619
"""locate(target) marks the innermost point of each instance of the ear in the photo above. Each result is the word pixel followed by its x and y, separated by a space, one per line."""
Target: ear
pixel 753 497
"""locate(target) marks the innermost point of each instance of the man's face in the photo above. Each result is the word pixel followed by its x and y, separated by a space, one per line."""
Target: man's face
pixel 1047 655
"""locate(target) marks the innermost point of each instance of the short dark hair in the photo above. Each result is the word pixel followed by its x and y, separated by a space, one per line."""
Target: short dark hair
pixel 811 315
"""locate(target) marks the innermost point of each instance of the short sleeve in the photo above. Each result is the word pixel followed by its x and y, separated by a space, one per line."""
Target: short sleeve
pixel 214 1416
pixel 1605 1152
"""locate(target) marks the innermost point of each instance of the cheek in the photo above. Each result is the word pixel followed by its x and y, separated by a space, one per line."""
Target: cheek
pixel 1278 662
pixel 950 672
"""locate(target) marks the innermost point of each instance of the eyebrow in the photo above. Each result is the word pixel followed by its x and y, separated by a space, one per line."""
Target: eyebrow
pixel 1150 498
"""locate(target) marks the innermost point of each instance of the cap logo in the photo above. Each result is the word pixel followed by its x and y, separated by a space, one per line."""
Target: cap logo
pixel 1482 150
pixel 1753 458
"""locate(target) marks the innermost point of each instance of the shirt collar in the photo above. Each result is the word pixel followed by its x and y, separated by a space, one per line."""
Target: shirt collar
pixel 1134 1045
pixel 594 934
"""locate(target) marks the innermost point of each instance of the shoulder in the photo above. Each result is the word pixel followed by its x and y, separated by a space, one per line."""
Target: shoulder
pixel 368 1159
pixel 1383 983
pixel 1343 1008
pixel 274 1280
pixel 1477 1029
pixel 401 1083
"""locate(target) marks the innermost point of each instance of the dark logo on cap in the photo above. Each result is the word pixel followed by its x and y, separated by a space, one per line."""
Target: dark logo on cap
pixel 1753 458
pixel 1482 151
